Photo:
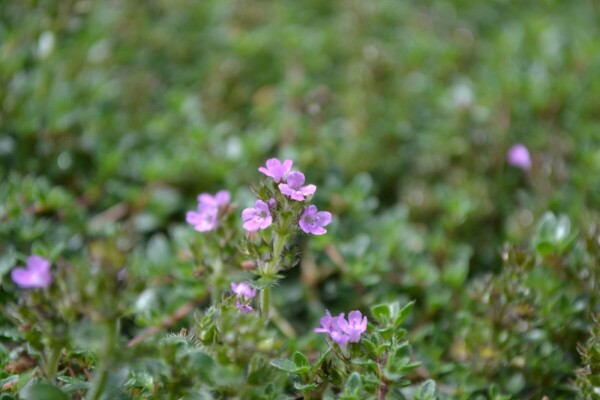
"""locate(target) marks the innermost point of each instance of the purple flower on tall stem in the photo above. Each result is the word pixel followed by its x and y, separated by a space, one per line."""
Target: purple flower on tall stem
pixel 313 220
pixel 206 218
pixel 276 169
pixel 35 275
pixel 518 156
pixel 293 187
pixel 258 217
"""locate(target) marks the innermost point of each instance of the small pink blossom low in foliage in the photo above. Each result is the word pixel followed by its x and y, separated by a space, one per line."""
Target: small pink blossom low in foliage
pixel 313 221
pixel 206 217
pixel 341 331
pixel 35 275
pixel 245 293
pixel 518 156
pixel 258 217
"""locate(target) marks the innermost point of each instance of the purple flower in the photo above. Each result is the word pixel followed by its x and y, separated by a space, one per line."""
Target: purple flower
pixel 355 326
pixel 206 217
pixel 326 321
pixel 243 289
pixel 518 156
pixel 35 275
pixel 313 220
pixel 276 169
pixel 243 307
pixel 294 189
pixel 220 199
pixel 245 293
pixel 341 331
pixel 258 217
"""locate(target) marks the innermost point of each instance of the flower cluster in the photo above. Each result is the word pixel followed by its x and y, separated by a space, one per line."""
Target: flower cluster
pixel 341 331
pixel 291 185
pixel 35 275
pixel 244 293
pixel 206 217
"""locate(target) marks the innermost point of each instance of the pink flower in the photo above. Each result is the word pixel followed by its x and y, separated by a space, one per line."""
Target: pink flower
pixel 276 169
pixel 355 326
pixel 326 321
pixel 206 217
pixel 243 307
pixel 313 220
pixel 35 275
pixel 243 289
pixel 294 189
pixel 518 156
pixel 258 217
pixel 245 293
pixel 341 331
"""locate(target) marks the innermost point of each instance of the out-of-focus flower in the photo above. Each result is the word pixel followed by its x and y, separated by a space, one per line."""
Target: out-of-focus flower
pixel 35 275
pixel 206 218
pixel 518 156
pixel 293 187
pixel 276 169
pixel 313 220
pixel 243 289
pixel 341 331
pixel 258 217
pixel 243 307
pixel 245 293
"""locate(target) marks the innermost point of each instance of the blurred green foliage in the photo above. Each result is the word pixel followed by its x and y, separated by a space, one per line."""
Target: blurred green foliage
pixel 114 115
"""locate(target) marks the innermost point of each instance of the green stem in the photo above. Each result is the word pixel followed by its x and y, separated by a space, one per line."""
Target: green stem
pixel 52 362
pixel 265 299
pixel 216 278
pixel 271 269
pixel 106 358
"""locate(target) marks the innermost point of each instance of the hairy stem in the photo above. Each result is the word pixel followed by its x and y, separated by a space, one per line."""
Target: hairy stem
pixel 51 366
pixel 106 358
pixel 272 268
pixel 265 299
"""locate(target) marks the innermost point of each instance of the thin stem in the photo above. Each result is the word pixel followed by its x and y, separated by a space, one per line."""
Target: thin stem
pixel 106 358
pixel 271 269
pixel 51 366
pixel 382 391
pixel 216 277
pixel 265 299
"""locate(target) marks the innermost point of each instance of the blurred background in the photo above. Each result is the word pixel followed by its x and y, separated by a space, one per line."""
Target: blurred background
pixel 401 112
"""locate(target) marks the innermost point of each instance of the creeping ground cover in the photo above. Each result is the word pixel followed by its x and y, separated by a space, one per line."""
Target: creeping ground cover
pixel 244 199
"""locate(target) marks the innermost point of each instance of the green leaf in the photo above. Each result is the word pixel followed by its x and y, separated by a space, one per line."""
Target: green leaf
pixel 403 314
pixel 354 382
pixel 320 360
pixel 300 360
pixel 304 386
pixel 288 366
pixel 426 391
pixel 38 391
pixel 381 312
pixel 370 364
pixel 73 384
